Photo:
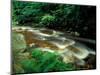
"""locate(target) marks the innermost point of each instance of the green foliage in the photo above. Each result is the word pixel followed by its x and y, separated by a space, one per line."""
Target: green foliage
pixel 28 65
pixel 44 62
pixel 36 53
pixel 47 19
pixel 47 14
pixel 61 66
pixel 24 12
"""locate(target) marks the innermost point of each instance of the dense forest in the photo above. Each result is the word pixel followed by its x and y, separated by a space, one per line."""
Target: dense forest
pixel 40 40
pixel 64 17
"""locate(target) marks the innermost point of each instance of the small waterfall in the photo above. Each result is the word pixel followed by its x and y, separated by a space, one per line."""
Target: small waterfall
pixel 52 41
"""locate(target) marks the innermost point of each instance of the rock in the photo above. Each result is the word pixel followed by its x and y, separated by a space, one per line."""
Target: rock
pixel 18 42
pixel 42 39
pixel 71 50
pixel 18 69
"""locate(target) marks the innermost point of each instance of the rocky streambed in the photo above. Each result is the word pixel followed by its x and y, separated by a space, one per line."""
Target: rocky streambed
pixel 70 50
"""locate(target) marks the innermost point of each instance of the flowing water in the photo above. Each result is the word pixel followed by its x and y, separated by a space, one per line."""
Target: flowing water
pixel 71 50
